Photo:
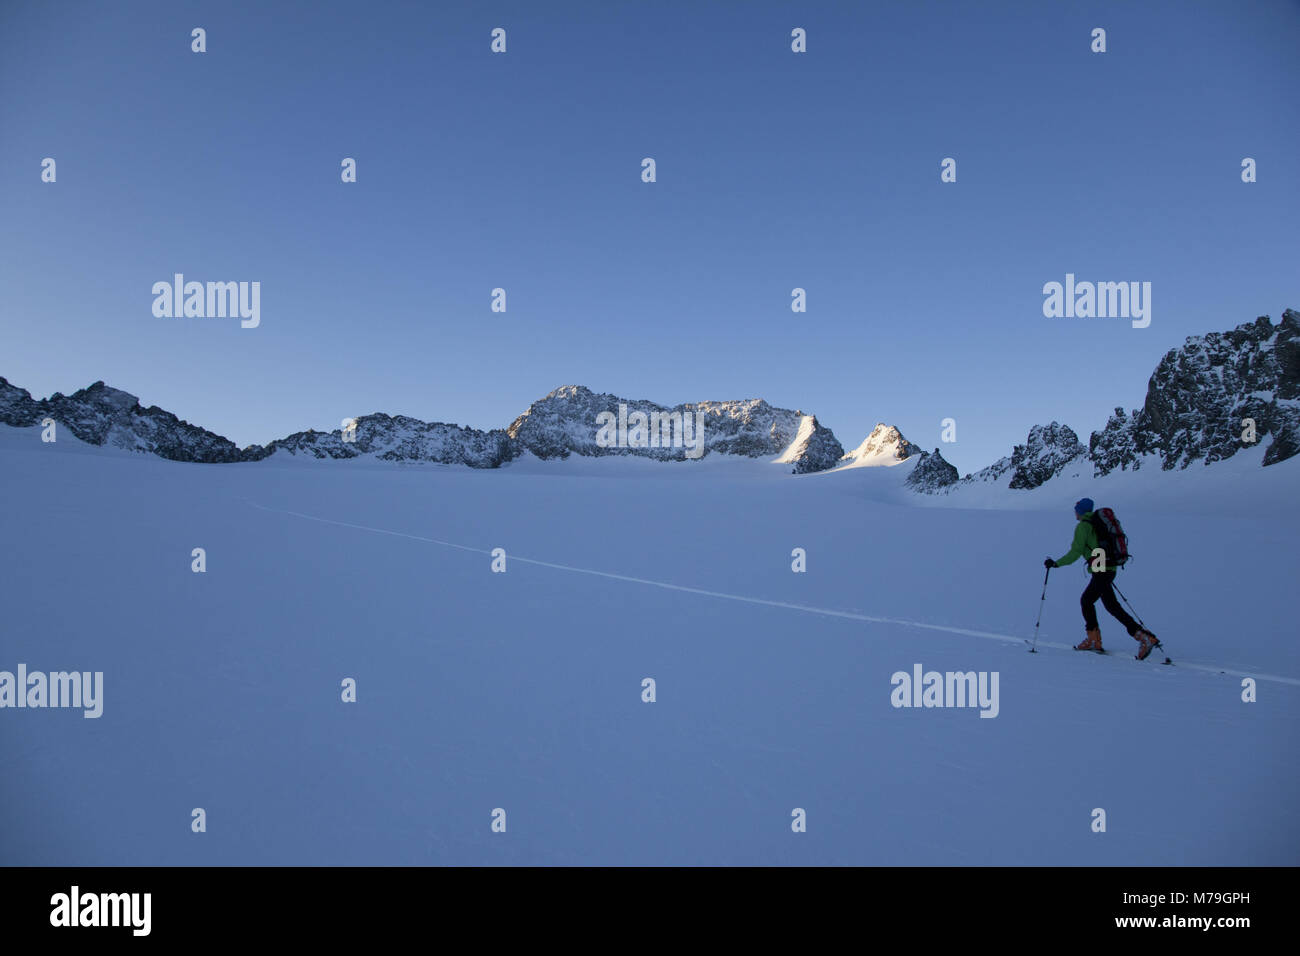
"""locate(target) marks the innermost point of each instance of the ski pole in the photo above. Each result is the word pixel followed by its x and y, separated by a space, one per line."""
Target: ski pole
pixel 1141 623
pixel 1041 602
pixel 1131 608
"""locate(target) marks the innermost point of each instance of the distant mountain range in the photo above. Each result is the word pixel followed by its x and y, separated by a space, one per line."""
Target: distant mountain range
pixel 1197 400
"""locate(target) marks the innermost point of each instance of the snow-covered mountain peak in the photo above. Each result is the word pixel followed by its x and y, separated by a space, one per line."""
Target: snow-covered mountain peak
pixel 107 397
pixel 884 446
pixel 569 392
pixel 814 447
pixel 573 419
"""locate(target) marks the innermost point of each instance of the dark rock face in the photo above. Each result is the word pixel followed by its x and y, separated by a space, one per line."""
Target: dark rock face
pixel 932 474
pixel 17 407
pixel 100 415
pixel 1047 451
pixel 1044 455
pixel 1116 445
pixel 569 420
pixel 1200 393
pixel 398 438
pixel 1286 442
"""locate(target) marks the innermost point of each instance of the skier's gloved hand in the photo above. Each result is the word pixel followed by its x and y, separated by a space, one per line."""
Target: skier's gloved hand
pixel 1049 563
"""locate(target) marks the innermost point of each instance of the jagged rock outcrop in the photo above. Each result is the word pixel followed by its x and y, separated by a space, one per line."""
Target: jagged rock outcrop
pixel 1286 441
pixel 1047 451
pixel 398 438
pixel 1117 445
pixel 17 407
pixel 570 420
pixel 931 474
pixel 100 415
pixel 1044 455
pixel 1199 395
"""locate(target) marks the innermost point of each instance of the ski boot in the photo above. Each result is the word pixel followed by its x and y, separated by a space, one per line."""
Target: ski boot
pixel 1148 642
pixel 1092 642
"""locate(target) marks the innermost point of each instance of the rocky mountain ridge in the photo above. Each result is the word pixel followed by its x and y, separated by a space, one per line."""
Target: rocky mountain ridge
pixel 570 420
pixel 1206 401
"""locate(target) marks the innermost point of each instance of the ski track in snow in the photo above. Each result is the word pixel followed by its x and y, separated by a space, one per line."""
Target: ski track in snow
pixel 825 612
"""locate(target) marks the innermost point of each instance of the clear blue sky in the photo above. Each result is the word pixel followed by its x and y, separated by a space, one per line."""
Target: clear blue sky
pixel 522 170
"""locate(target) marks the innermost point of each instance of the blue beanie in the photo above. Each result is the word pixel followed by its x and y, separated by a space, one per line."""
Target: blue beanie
pixel 1083 506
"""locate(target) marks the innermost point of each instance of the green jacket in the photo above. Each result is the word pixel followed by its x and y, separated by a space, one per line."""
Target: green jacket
pixel 1085 540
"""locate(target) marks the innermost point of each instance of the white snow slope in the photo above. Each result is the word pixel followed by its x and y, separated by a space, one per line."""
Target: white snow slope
pixel 523 690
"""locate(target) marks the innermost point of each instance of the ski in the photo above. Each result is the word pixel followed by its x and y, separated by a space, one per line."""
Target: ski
pixel 1158 647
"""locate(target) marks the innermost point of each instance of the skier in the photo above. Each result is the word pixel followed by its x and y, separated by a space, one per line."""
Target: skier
pixel 1100 585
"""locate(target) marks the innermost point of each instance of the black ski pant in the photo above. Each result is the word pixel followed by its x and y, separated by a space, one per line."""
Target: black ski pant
pixel 1102 585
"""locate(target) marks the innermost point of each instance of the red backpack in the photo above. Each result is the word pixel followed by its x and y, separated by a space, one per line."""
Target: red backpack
pixel 1110 537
